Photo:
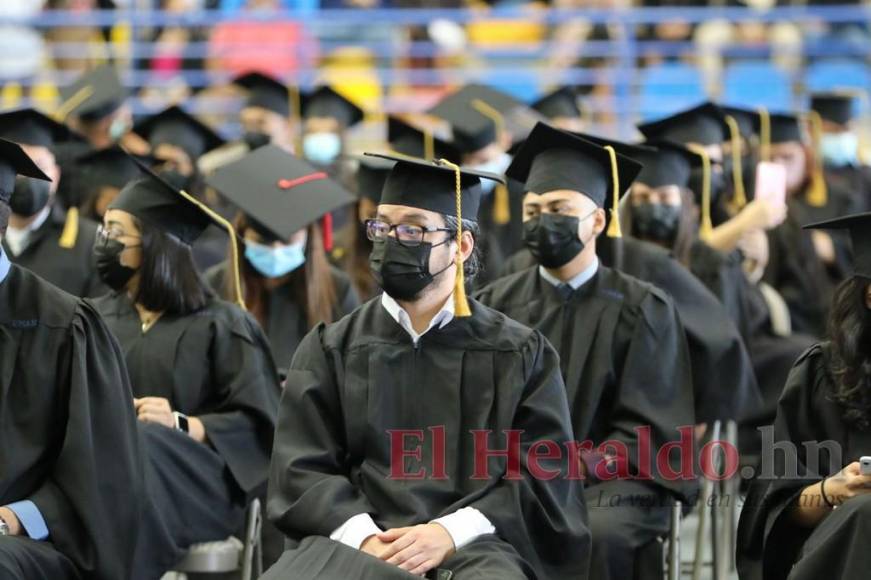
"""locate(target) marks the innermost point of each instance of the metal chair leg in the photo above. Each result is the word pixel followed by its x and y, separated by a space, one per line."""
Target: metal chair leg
pixel 674 551
pixel 704 501
pixel 733 490
pixel 252 557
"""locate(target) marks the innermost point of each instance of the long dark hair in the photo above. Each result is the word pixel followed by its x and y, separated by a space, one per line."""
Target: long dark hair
pixel 357 261
pixel 850 362
pixel 687 227
pixel 5 212
pixel 312 285
pixel 168 278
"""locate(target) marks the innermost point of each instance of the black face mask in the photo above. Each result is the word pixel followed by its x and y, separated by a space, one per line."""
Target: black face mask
pixel 656 222
pixel 402 272
pixel 256 139
pixel 553 239
pixel 109 267
pixel 718 183
pixel 29 196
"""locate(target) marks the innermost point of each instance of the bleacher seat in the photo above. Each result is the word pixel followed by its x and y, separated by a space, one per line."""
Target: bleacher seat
pixel 668 88
pixel 757 83
pixel 826 75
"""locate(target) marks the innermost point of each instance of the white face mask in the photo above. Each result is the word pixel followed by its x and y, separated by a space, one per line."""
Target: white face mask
pixel 840 149
pixel 498 166
pixel 322 147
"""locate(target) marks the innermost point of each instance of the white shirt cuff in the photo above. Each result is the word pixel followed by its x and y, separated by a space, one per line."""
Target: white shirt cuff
pixel 355 531
pixel 465 526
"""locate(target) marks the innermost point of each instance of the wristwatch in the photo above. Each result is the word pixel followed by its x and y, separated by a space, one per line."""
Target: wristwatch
pixel 182 423
pixel 4 527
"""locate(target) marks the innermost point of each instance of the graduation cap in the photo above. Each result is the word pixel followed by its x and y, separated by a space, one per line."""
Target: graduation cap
pixel 477 114
pixel 836 107
pixel 562 102
pixel 14 161
pixel 666 163
pixel 782 128
pixel 175 126
pixel 742 123
pixel 372 172
pixel 747 120
pixel 94 95
pixel 111 166
pixel 326 102
pixel 704 125
pixel 265 92
pixel 551 159
pixel 859 228
pixel 415 141
pixel 278 191
pixel 442 187
pixel 30 127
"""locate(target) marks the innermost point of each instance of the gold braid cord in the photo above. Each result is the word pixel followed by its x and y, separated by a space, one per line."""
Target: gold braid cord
pixel 461 302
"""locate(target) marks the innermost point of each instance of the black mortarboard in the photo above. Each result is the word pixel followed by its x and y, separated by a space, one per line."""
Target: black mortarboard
pixel 477 113
pixel 859 226
pixel 416 141
pixel 280 192
pixel 431 185
pixel 111 166
pixel 784 128
pixel 835 107
pixel 703 125
pixel 748 121
pixel 94 95
pixel 30 127
pixel 372 172
pixel 14 161
pixel 551 159
pixel 175 126
pixel 326 102
pixel 156 202
pixel 265 92
pixel 562 102
pixel 666 163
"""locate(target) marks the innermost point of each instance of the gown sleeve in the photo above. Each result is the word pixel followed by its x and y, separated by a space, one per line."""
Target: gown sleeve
pixel 310 492
pixel 92 500
pixel 240 425
pixel 544 519
pixel 768 543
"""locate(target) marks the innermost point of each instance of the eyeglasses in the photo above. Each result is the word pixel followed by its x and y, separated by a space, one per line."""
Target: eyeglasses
pixel 409 235
pixel 104 233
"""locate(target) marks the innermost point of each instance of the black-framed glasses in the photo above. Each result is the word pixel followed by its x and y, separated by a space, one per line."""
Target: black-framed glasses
pixel 110 233
pixel 406 234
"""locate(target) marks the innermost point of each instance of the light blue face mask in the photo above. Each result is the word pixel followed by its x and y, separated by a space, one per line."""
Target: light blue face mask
pixel 840 149
pixel 322 148
pixel 275 262
pixel 498 166
pixel 118 128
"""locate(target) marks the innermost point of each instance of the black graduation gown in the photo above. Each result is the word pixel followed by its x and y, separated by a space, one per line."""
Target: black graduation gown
pixel 352 381
pixel 288 322
pixel 770 546
pixel 723 380
pixel 852 178
pixel 624 359
pixel 499 241
pixel 68 435
pixel 71 269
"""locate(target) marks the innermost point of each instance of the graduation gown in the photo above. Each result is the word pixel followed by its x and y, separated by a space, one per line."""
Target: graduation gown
pixel 288 321
pixel 625 362
pixel 852 178
pixel 71 269
pixel 499 241
pixel 770 545
pixel 723 380
pixel 68 433
pixel 213 364
pixel 352 381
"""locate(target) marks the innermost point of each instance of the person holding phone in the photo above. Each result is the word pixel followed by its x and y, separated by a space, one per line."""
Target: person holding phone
pixel 812 523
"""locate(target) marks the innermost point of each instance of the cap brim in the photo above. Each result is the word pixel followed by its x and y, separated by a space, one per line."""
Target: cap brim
pixel 437 164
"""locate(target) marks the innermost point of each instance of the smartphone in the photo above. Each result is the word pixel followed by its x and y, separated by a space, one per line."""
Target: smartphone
pixel 865 465
pixel 771 183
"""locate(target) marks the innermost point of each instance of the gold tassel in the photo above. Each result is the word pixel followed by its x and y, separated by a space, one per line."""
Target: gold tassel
pixel 739 200
pixel 461 302
pixel 706 228
pixel 234 244
pixel 614 230
pixel 764 134
pixel 817 195
pixel 501 204
pixel 76 99
pixel 428 145
pixel 70 233
pixel 296 117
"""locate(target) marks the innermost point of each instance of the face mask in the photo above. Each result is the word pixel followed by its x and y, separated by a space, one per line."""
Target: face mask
pixel 322 148
pixel 718 182
pixel 497 166
pixel 656 221
pixel 403 272
pixel 553 239
pixel 840 149
pixel 256 139
pixel 117 129
pixel 275 262
pixel 29 196
pixel 112 272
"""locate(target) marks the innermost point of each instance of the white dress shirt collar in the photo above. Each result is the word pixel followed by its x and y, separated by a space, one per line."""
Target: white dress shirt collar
pixel 575 282
pixel 398 313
